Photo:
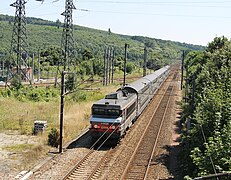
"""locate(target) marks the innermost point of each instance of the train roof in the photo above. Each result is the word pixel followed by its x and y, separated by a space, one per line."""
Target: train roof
pixel 138 85
pixel 116 99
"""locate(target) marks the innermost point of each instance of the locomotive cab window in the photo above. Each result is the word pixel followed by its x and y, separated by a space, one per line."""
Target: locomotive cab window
pixel 113 112
pixel 106 112
pixel 98 111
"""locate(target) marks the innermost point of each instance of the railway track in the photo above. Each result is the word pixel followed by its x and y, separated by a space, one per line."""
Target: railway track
pixel 142 157
pixel 105 164
pixel 89 167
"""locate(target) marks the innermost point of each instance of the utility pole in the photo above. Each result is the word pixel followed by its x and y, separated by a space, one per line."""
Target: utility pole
pixel 105 71
pixel 182 69
pixel 113 66
pixel 125 63
pixel 32 69
pixel 109 65
pixel 39 73
pixel 186 81
pixel 145 62
pixel 19 43
pixel 61 112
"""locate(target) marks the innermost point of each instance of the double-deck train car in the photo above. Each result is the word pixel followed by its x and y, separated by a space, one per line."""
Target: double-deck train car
pixel 115 113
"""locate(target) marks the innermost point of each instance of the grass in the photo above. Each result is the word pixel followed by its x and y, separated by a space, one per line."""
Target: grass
pixel 19 117
pixel 29 154
pixel 18 147
pixel 16 115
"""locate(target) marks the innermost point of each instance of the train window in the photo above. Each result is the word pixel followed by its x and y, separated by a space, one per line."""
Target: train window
pixel 98 111
pixel 113 112
pixel 107 112
pixel 131 109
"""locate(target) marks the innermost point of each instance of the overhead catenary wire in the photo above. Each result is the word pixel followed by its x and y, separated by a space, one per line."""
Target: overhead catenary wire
pixel 157 2
pixel 153 14
pixel 217 4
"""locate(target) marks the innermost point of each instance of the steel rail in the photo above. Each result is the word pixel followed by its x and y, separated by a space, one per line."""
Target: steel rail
pixel 158 134
pixel 83 159
pixel 102 161
pixel 135 151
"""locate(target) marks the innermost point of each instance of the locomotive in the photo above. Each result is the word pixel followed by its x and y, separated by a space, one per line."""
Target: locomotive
pixel 113 115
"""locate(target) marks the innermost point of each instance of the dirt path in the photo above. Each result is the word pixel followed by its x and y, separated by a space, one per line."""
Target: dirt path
pixel 11 153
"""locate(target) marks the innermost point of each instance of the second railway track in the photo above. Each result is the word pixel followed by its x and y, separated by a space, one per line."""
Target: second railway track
pixel 110 164
pixel 138 165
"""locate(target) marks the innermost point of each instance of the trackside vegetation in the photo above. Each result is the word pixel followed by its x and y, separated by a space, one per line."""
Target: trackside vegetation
pixel 206 141
pixel 44 38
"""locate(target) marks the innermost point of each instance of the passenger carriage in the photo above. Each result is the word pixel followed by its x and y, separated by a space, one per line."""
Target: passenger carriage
pixel 115 113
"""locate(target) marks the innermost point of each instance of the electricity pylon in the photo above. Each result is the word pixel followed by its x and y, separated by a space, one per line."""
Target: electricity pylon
pixel 68 59
pixel 18 54
pixel 67 44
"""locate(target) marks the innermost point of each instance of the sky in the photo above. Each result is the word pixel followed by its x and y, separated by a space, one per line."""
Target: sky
pixel 190 21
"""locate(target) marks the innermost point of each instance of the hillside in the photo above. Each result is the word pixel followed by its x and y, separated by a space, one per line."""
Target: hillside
pixel 43 33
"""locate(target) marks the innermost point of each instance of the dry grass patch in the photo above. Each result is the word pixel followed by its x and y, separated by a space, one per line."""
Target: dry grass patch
pixel 76 118
pixel 16 115
pixel 26 155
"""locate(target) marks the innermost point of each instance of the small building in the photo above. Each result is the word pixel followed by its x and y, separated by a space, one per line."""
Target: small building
pixel 26 72
pixel 39 126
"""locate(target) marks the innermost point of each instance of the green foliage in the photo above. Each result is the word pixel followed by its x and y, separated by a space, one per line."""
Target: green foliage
pixel 209 110
pixel 80 96
pixel 53 138
pixel 16 83
pixel 46 36
pixel 70 82
pixel 31 94
pixel 130 67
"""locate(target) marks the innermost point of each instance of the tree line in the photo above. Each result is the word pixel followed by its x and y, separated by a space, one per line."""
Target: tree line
pixel 206 139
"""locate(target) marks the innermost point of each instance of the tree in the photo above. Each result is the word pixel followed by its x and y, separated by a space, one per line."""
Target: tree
pixel 210 116
pixel 58 23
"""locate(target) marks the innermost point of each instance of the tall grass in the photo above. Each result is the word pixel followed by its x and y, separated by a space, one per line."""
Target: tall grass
pixel 16 115
pixel 20 115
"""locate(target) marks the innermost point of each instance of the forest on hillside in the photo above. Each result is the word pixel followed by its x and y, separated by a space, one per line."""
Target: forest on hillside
pixel 45 37
pixel 206 137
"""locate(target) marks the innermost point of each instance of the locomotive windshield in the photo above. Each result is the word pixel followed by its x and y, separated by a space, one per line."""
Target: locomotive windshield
pixel 106 112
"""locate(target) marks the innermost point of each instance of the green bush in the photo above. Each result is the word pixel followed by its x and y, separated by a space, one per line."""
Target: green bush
pixel 78 96
pixel 16 83
pixel 53 138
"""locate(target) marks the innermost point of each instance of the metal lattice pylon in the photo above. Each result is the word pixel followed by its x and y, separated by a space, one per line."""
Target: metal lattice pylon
pixel 67 44
pixel 18 53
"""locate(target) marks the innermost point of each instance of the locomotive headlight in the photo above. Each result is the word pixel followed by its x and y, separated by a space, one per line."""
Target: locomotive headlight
pixel 95 126
pixel 113 127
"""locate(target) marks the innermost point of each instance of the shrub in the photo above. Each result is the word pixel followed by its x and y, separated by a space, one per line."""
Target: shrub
pixel 53 138
pixel 16 83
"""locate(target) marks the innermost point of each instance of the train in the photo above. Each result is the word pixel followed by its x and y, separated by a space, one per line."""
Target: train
pixel 113 115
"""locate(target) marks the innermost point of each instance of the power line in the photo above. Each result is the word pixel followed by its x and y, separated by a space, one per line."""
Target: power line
pixel 158 2
pixel 178 4
pixel 153 14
